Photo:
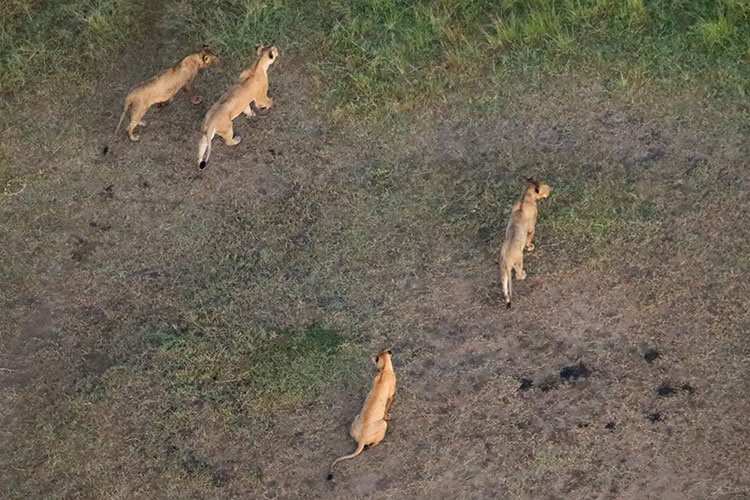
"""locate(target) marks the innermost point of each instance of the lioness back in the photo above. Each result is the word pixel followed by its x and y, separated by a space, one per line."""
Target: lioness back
pixel 251 87
pixel 162 88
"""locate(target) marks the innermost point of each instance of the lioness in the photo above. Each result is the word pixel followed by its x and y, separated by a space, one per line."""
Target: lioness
pixel 519 233
pixel 369 426
pixel 252 86
pixel 163 87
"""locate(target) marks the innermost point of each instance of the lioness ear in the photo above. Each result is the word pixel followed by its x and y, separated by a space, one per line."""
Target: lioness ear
pixel 259 49
pixel 205 46
pixel 389 352
pixel 375 359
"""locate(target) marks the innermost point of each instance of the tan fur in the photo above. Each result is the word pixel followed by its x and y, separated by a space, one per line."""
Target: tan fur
pixel 370 425
pixel 518 234
pixel 252 86
pixel 162 88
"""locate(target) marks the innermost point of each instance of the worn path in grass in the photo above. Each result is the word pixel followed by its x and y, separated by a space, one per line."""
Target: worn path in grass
pixel 206 334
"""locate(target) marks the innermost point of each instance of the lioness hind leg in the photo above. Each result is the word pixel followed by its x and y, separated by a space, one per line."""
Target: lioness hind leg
pixel 136 113
pixel 378 432
pixel 388 403
pixel 229 137
pixel 356 429
pixel 517 266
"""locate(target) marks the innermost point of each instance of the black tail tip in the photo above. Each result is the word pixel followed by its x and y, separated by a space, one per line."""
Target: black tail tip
pixel 202 165
pixel 507 305
pixel 105 150
pixel 330 476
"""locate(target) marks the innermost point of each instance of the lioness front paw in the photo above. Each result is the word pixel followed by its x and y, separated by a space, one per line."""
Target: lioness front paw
pixel 387 416
pixel 196 99
pixel 522 276
pixel 530 247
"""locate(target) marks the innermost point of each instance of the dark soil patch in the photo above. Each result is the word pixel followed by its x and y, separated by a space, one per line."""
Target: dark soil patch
pixel 101 226
pixel 666 390
pixel 654 417
pixel 108 192
pixel 192 464
pixel 650 355
pixel 574 372
pixel 82 249
pixel 220 477
pixel 610 426
pixel 526 384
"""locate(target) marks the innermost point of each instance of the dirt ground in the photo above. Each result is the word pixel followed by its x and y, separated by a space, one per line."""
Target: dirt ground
pixel 138 289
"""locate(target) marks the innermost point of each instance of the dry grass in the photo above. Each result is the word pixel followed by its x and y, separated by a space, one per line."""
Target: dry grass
pixel 168 333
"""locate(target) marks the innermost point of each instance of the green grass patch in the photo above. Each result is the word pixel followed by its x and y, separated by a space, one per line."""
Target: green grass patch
pixel 70 37
pixel 597 218
pixel 393 55
pixel 274 367
pixel 376 56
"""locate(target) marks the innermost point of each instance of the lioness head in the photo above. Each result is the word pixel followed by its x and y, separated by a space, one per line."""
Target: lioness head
pixel 208 57
pixel 381 358
pixel 540 190
pixel 267 55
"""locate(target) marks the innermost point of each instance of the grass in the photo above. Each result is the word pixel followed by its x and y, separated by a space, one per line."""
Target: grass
pixel 605 213
pixel 276 367
pixel 62 39
pixel 392 55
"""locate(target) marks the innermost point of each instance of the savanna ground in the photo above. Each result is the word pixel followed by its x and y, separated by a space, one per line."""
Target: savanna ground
pixel 170 333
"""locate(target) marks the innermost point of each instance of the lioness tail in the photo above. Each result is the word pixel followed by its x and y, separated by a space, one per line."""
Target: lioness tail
pixel 128 102
pixel 204 147
pixel 359 449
